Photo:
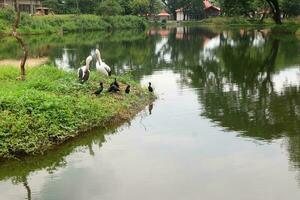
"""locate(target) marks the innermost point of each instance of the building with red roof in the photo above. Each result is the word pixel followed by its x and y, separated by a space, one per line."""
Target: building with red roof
pixel 209 8
pixel 163 15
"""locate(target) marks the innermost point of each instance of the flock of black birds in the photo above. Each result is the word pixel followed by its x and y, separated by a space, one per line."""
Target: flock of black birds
pixel 115 87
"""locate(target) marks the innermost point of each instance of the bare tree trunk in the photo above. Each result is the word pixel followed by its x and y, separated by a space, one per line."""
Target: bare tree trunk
pixel 20 41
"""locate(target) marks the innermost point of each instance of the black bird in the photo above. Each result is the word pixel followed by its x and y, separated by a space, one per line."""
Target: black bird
pixel 99 90
pixel 127 90
pixel 113 88
pixel 150 88
pixel 115 83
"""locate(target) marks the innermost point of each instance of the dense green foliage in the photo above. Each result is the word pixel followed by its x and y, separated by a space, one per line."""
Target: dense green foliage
pixel 260 8
pixel 126 7
pixel 51 107
pixel 196 9
pixel 109 7
pixel 251 8
pixel 68 23
pixel 193 8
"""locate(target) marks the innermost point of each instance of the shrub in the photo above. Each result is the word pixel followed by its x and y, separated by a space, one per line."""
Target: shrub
pixel 7 14
pixel 72 23
pixel 109 7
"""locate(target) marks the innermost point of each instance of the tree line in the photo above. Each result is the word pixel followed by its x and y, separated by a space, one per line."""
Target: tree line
pixel 250 8
pixel 261 8
pixel 104 7
pixel 194 8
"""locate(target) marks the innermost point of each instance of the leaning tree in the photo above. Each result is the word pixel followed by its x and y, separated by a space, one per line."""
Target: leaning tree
pixel 20 41
pixel 274 5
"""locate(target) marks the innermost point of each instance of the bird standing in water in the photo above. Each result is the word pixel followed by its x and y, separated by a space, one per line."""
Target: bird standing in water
pixel 84 72
pixel 127 90
pixel 150 88
pixel 99 90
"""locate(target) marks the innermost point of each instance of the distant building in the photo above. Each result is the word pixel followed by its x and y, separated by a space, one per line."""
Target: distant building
pixel 210 10
pixel 28 6
pixel 163 15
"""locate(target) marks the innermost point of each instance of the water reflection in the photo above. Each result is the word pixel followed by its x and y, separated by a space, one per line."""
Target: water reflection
pixel 247 81
pixel 150 108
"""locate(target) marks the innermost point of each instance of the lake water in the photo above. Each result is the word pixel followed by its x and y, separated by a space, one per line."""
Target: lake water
pixel 226 125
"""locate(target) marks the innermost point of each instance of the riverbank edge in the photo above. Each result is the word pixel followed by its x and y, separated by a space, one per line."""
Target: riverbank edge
pixel 58 24
pixel 289 26
pixel 136 103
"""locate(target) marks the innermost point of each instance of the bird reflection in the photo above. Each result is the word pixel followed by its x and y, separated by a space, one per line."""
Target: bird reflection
pixel 150 107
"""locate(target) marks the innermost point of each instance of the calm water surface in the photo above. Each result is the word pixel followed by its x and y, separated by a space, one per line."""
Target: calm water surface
pixel 226 124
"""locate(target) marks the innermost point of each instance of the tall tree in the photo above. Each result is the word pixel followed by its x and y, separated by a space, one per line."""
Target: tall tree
pixel 274 5
pixel 195 9
pixel 139 7
pixel 290 7
pixel 109 7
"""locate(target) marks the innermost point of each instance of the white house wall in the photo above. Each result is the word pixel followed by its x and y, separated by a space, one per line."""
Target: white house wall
pixel 179 16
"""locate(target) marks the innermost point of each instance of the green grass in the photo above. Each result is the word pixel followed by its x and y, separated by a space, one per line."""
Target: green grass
pixel 67 23
pixel 51 107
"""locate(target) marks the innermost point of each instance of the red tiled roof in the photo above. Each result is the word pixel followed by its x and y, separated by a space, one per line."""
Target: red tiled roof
pixel 207 5
pixel 163 14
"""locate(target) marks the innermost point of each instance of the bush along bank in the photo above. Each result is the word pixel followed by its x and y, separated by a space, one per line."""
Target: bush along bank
pixel 68 23
pixel 51 107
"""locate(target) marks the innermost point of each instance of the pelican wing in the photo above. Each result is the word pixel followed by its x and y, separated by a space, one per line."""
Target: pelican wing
pixel 86 76
pixel 107 68
pixel 101 69
pixel 80 73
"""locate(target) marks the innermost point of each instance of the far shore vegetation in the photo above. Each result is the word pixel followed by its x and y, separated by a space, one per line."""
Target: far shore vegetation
pixel 291 25
pixel 68 23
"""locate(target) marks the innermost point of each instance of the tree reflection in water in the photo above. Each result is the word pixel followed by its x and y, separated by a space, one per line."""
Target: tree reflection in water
pixel 237 73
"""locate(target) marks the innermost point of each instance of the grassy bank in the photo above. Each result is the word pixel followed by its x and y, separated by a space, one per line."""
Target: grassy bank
pixel 289 25
pixel 51 107
pixel 68 23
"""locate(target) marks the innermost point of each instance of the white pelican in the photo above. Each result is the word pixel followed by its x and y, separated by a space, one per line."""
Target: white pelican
pixel 84 72
pixel 102 66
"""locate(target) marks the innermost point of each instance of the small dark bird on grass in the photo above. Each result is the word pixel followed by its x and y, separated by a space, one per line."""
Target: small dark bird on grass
pixel 115 83
pixel 150 88
pixel 99 90
pixel 113 88
pixel 127 90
